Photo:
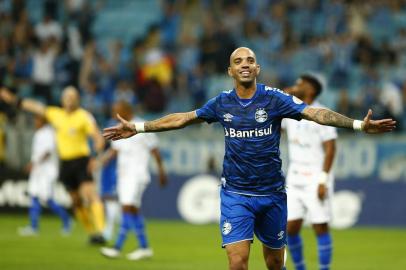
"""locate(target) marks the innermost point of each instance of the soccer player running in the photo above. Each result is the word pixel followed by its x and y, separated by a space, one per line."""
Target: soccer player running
pixel 309 179
pixel 253 198
pixel 73 126
pixel 133 178
pixel 43 169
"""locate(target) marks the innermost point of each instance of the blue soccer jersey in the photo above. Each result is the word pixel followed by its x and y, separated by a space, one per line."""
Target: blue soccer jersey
pixel 252 163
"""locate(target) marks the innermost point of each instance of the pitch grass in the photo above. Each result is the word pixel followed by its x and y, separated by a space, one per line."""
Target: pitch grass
pixel 179 246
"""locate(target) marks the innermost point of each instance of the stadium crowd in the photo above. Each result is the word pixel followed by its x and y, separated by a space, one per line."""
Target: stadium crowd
pixel 359 46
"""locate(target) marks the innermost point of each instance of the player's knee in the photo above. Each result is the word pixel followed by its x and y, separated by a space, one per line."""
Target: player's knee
pixel 293 228
pixel 321 229
pixel 76 201
pixel 274 262
pixel 238 262
pixel 129 209
pixel 88 192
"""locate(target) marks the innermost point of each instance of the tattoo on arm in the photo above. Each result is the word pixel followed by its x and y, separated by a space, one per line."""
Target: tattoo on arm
pixel 172 121
pixel 327 117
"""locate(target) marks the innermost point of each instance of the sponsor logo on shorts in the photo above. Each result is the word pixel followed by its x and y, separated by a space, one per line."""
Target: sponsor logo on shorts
pixel 280 235
pixel 226 228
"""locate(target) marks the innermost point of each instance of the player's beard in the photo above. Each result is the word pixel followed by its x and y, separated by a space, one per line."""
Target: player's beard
pixel 247 83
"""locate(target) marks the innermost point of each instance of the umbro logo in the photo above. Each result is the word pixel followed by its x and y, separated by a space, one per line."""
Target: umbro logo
pixel 280 235
pixel 228 117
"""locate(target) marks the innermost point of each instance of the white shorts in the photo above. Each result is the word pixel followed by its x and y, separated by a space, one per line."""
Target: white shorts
pixel 130 190
pixel 304 203
pixel 41 184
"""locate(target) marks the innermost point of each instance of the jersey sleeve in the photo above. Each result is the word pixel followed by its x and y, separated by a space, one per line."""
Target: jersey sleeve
pixel 289 106
pixel 151 140
pixel 89 122
pixel 115 145
pixel 52 114
pixel 284 124
pixel 208 111
pixel 328 133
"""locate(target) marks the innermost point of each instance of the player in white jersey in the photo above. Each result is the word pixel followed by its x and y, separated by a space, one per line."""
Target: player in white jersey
pixel 43 175
pixel 309 179
pixel 133 178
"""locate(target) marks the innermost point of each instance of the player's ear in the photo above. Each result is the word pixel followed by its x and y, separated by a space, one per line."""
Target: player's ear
pixel 258 69
pixel 229 72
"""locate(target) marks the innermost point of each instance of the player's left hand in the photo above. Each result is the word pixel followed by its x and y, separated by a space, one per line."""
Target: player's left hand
pixel 163 180
pixel 322 191
pixel 123 130
pixel 377 126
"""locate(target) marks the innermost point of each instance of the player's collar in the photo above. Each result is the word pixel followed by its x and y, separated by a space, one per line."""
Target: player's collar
pixel 244 102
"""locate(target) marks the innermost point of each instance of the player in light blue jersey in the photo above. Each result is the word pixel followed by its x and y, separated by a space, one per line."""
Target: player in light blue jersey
pixel 253 198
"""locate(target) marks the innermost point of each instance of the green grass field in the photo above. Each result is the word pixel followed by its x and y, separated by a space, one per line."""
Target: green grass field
pixel 178 246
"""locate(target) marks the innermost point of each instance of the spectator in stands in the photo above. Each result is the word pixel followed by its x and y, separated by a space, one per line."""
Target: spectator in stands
pixel 48 28
pixel 23 31
pixel 124 92
pixel 43 74
pixel 94 100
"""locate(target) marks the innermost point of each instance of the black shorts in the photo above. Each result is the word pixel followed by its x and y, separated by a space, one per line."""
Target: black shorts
pixel 74 172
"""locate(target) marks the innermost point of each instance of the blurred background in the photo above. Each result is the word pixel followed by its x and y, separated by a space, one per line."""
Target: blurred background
pixel 169 56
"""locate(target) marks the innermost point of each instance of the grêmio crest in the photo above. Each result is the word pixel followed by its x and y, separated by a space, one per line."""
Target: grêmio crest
pixel 261 115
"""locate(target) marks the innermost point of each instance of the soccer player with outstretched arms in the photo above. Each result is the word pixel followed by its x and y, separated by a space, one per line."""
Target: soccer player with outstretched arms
pixel 253 197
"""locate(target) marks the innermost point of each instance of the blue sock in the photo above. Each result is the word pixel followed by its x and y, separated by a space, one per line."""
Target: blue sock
pixel 57 209
pixel 124 227
pixel 139 228
pixel 296 251
pixel 324 244
pixel 35 211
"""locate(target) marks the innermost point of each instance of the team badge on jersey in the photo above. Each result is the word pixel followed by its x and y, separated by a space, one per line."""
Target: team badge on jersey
pixel 226 228
pixel 261 115
pixel 228 117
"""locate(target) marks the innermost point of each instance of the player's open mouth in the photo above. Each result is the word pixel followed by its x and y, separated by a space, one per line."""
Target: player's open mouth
pixel 245 73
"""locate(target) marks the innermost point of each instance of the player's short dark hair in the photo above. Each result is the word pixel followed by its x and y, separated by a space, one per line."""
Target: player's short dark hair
pixel 314 81
pixel 125 105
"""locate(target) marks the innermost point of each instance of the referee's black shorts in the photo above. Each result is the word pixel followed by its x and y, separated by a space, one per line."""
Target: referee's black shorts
pixel 73 172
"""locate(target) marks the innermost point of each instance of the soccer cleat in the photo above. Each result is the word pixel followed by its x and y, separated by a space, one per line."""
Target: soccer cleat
pixel 27 231
pixel 110 252
pixel 139 254
pixel 97 239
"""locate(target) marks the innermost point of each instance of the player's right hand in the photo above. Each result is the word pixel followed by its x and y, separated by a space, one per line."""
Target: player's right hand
pixel 322 191
pixel 123 130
